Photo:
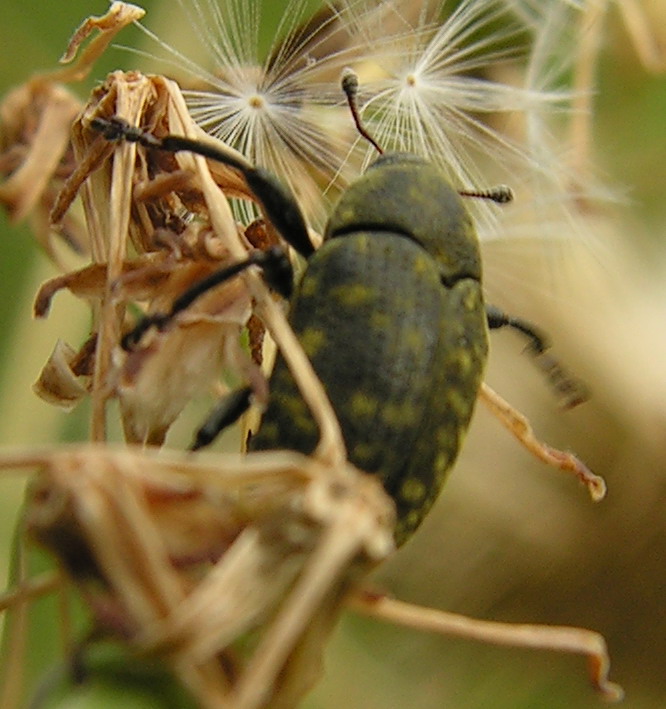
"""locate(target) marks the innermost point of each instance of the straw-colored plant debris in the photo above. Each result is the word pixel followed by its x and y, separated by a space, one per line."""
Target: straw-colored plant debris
pixel 154 231
pixel 184 557
pixel 36 131
pixel 187 556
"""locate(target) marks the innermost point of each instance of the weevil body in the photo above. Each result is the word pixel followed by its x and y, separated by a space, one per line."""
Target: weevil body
pixel 391 314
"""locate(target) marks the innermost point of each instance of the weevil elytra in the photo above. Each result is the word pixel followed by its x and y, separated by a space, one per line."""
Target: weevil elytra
pixel 391 314
pixel 389 310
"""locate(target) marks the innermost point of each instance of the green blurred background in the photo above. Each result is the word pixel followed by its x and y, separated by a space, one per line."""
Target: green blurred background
pixel 509 539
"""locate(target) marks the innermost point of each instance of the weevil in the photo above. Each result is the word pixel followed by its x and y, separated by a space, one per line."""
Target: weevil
pixel 389 310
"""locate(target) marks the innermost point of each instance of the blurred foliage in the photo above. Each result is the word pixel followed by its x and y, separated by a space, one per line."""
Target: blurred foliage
pixel 509 540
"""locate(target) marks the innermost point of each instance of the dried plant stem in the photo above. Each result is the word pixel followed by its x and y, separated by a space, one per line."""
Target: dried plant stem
pixel 642 36
pixel 17 600
pixel 556 638
pixel 118 16
pixel 520 427
pixel 331 448
pixel 121 185
pixel 590 34
pixel 294 562
pixel 23 189
pixel 29 589
pixel 16 635
pixel 341 542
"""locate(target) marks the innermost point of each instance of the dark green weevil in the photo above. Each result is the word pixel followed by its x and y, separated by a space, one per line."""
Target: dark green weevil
pixel 389 310
pixel 391 314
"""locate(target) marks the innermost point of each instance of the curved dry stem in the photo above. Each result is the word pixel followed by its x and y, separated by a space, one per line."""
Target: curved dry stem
pixel 331 448
pixel 29 589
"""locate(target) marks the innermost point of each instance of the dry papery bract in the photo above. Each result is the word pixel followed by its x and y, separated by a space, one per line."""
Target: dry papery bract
pixel 157 223
pixel 183 556
pixel 148 226
pixel 36 118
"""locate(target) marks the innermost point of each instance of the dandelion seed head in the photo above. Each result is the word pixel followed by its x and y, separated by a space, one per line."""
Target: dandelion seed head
pixel 431 83
pixel 281 107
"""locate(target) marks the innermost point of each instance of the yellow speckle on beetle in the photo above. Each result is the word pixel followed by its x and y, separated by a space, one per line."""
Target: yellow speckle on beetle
pixel 422 264
pixel 363 406
pixel 412 490
pixel 352 295
pixel 312 340
pixel 413 518
pixel 465 362
pixel 441 466
pixel 414 340
pixel 443 437
pixel 363 453
pixel 459 402
pixel 309 286
pixel 380 320
pixel 395 415
pixel 293 406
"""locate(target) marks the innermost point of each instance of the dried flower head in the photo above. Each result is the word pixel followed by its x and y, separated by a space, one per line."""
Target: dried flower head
pixel 36 120
pixel 147 245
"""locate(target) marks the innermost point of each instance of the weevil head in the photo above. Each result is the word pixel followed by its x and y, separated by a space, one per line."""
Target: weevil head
pixel 405 194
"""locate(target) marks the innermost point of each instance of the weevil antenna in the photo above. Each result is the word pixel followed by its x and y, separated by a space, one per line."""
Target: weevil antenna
pixel 350 87
pixel 501 194
pixel 277 200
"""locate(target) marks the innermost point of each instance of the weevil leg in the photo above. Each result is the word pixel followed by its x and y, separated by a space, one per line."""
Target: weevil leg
pixel 277 272
pixel 557 638
pixel 277 200
pixel 225 413
pixel 538 341
pixel 520 427
pixel 571 390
